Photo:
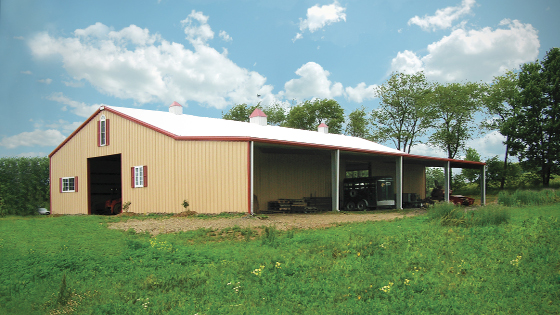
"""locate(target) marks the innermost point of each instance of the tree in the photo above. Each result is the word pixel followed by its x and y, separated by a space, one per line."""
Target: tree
pixel 404 114
pixel 499 103
pixel 535 128
pixel 471 175
pixel 308 115
pixel 454 105
pixel 276 114
pixel 358 124
pixel 240 112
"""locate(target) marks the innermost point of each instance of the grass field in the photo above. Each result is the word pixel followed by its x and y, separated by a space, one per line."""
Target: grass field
pixel 75 265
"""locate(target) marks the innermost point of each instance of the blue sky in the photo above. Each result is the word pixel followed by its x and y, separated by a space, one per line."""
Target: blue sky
pixel 60 60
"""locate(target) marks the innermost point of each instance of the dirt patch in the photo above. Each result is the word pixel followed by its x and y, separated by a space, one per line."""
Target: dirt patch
pixel 280 221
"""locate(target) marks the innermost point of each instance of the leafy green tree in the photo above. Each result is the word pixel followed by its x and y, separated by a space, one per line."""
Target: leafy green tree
pixel 455 105
pixel 308 115
pixel 499 102
pixel 276 114
pixel 24 184
pixel 358 124
pixel 535 129
pixel 495 173
pixel 470 174
pixel 240 112
pixel 404 113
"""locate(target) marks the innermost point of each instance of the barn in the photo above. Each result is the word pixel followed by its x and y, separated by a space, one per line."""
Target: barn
pixel 155 160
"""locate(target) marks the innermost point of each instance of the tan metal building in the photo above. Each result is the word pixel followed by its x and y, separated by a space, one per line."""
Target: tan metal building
pixel 155 160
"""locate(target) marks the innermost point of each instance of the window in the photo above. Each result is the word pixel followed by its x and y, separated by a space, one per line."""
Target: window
pixel 139 176
pixel 69 184
pixel 103 131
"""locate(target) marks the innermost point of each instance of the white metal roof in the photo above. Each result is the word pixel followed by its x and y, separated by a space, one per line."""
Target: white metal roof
pixel 193 126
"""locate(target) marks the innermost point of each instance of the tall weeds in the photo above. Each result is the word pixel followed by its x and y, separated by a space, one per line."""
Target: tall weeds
pixel 528 197
pixel 449 214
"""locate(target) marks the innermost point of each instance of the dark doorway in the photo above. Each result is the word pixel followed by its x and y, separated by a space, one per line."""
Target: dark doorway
pixel 105 184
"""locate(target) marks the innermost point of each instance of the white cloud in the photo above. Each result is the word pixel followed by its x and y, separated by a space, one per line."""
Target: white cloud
pixel 361 92
pixel 319 17
pixel 19 37
pixel 427 150
pixel 26 72
pixel 49 137
pixel 313 83
pixel 489 145
pixel 406 62
pixel 73 83
pixel 79 108
pixel 443 18
pixel 134 64
pixel 225 36
pixel 474 54
pixel 47 81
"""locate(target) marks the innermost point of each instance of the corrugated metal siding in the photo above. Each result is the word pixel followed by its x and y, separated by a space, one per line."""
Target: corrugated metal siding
pixel 414 180
pixel 290 176
pixel 211 175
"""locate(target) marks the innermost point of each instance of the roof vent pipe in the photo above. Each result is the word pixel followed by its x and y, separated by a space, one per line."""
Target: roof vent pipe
pixel 323 128
pixel 176 108
pixel 258 117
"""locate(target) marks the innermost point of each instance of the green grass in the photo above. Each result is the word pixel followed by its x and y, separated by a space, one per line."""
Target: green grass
pixel 75 265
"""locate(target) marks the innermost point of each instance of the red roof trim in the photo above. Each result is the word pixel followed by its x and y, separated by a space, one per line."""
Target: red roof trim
pixel 175 104
pixel 323 125
pixel 256 139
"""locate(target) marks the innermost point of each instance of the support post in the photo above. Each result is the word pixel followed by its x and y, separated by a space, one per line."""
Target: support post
pixel 447 180
pixel 483 186
pixel 335 179
pixel 398 182
pixel 252 178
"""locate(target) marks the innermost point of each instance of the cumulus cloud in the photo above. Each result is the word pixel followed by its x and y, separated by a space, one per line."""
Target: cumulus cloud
pixel 406 62
pixel 78 108
pixel 134 64
pixel 47 81
pixel 427 150
pixel 313 82
pixel 489 145
pixel 361 92
pixel 320 16
pixel 225 36
pixel 26 72
pixel 443 18
pixel 48 137
pixel 474 54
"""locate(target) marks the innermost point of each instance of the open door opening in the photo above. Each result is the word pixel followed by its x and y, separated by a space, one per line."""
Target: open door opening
pixel 105 185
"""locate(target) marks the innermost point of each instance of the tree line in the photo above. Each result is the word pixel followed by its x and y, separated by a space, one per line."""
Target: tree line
pixel 523 106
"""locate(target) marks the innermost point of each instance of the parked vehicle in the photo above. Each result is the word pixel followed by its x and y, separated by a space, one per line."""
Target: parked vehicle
pixel 43 211
pixel 368 192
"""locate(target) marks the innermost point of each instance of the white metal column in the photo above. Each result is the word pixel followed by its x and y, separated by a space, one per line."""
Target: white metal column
pixel 398 182
pixel 447 180
pixel 252 170
pixel 483 186
pixel 335 178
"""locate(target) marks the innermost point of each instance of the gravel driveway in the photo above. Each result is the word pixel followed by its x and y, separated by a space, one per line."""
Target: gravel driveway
pixel 280 221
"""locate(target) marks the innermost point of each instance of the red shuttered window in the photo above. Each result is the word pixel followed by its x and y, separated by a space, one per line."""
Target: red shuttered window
pixel 139 176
